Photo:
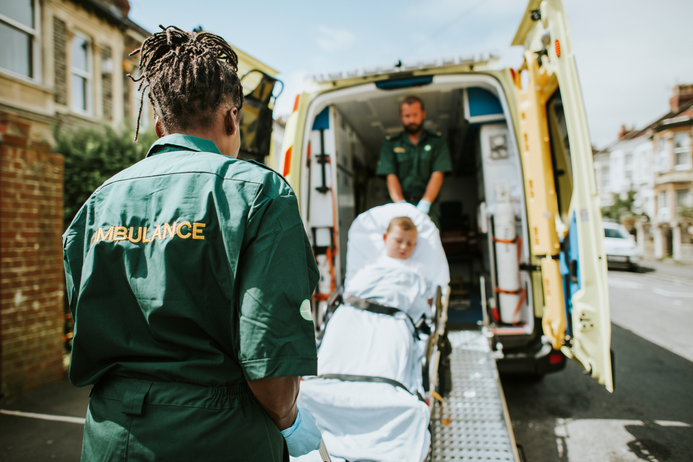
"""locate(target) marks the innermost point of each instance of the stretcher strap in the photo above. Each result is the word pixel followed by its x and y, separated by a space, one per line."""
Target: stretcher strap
pixel 371 379
pixel 367 305
pixel 508 292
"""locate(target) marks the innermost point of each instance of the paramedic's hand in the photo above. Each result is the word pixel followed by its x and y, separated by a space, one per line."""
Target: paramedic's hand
pixel 304 435
pixel 423 206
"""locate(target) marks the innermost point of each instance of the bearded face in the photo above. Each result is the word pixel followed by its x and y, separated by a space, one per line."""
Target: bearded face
pixel 412 117
pixel 413 128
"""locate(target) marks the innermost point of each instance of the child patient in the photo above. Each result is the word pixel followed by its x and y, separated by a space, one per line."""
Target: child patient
pixel 400 238
pixel 393 279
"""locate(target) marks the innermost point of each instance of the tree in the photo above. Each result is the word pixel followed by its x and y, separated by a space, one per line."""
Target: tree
pixel 622 209
pixel 93 155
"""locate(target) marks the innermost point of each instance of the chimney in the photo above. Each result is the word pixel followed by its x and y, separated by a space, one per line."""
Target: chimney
pixel 623 132
pixel 682 95
pixel 123 5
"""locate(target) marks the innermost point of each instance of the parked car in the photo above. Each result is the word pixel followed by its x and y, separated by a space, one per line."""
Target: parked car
pixel 619 247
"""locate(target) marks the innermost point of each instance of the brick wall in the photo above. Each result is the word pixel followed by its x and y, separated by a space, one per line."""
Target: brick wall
pixel 31 271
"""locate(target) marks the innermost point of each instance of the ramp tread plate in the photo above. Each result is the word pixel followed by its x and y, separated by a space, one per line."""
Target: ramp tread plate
pixel 477 430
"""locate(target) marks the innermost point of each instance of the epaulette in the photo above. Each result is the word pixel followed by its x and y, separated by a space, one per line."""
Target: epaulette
pixel 394 136
pixel 434 133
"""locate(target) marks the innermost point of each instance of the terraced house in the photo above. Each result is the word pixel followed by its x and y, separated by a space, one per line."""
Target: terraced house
pixel 66 63
pixel 656 162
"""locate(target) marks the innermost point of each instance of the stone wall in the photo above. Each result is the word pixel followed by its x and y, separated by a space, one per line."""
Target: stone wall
pixel 60 60
pixel 31 269
pixel 107 84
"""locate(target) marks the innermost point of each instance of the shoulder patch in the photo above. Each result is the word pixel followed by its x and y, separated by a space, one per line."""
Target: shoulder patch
pixel 387 137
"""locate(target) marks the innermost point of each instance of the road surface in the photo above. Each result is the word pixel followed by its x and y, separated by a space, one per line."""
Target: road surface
pixel 568 417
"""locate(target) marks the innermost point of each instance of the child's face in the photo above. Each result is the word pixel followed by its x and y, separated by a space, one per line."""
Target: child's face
pixel 400 243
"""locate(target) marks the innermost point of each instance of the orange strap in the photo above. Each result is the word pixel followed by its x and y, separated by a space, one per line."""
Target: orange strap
pixel 508 292
pixel 504 241
pixel 514 292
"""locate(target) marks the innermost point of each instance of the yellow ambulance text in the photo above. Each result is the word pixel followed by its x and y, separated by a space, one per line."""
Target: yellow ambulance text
pixel 140 234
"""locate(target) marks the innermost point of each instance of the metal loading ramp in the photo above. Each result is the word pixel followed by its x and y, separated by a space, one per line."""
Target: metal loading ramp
pixel 479 428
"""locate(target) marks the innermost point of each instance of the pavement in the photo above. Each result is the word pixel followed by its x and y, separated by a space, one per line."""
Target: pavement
pixel 566 417
pixel 31 436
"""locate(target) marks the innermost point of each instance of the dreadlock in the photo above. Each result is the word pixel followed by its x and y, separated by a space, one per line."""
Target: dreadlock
pixel 188 76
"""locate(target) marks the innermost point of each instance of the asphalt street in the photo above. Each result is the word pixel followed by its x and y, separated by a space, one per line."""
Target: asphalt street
pixel 568 417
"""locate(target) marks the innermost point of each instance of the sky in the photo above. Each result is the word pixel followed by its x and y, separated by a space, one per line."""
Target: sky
pixel 630 53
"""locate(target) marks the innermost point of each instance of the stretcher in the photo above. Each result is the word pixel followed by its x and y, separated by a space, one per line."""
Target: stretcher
pixel 377 370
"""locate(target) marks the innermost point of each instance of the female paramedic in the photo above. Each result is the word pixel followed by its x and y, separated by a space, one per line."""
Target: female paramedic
pixel 188 277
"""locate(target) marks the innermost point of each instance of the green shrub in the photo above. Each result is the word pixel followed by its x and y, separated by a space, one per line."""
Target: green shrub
pixel 622 209
pixel 93 155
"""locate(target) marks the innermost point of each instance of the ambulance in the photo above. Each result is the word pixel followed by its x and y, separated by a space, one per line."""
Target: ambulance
pixel 520 217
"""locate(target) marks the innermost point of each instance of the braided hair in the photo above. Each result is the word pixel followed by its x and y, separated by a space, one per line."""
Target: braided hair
pixel 188 76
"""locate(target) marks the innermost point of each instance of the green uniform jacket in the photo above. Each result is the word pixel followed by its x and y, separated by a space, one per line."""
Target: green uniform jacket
pixel 414 165
pixel 186 276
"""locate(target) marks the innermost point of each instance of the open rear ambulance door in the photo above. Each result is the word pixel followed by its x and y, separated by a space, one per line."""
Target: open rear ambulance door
pixel 565 220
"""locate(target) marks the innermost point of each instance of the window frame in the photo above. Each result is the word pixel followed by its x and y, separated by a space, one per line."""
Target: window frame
pixel 662 145
pixel 88 76
pixel 35 34
pixel 663 206
pixel 686 202
pixel 682 150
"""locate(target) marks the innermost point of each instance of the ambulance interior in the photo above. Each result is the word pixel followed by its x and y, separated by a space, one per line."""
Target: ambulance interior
pixel 482 199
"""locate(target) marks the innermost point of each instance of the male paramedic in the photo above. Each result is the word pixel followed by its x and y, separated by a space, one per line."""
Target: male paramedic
pixel 415 160
pixel 189 276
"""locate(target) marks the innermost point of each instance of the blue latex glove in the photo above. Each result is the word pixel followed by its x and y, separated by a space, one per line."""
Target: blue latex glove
pixel 424 206
pixel 304 435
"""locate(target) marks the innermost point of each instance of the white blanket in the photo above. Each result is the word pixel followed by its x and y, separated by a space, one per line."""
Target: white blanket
pixel 359 342
pixel 364 420
pixel 367 421
pixel 402 284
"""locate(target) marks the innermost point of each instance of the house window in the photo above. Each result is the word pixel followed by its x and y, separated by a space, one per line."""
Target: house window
pixel 18 36
pixel 81 73
pixel 662 206
pixel 683 201
pixel 629 168
pixel 662 155
pixel 682 151
pixel 606 180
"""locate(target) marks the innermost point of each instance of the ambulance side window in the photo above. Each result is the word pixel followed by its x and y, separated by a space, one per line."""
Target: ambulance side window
pixel 560 154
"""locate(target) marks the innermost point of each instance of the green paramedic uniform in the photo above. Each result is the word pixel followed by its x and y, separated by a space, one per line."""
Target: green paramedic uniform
pixel 414 165
pixel 187 275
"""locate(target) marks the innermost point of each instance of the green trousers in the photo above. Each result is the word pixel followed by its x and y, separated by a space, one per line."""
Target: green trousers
pixel 136 420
